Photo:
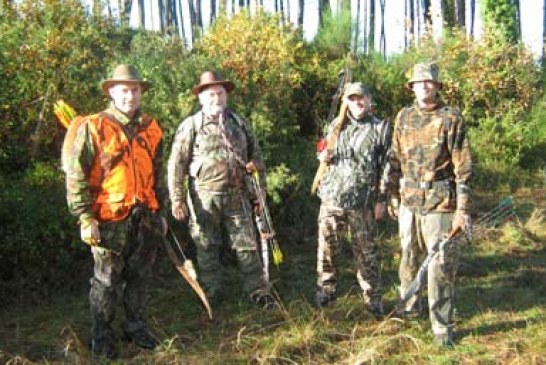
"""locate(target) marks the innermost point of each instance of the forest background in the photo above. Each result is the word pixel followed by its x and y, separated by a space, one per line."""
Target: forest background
pixel 53 49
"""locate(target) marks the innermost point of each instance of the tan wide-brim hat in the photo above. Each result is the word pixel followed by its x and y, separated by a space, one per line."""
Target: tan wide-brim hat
pixel 210 78
pixel 124 73
pixel 425 72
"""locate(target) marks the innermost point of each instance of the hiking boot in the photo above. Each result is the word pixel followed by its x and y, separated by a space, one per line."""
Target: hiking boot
pixel 323 299
pixel 263 300
pixel 375 307
pixel 444 339
pixel 215 298
pixel 104 347
pixel 142 338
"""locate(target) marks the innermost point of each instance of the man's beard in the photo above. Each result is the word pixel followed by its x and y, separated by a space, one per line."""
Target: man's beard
pixel 213 111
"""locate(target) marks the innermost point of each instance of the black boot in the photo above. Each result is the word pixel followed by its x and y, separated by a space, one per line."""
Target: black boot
pixel 323 299
pixel 104 346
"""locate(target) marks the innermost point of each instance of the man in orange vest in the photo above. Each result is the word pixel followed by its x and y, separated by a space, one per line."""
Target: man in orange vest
pixel 113 187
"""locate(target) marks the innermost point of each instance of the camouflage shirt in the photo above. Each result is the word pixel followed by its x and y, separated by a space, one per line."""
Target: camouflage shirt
pixel 214 157
pixel 78 166
pixel 431 163
pixel 357 168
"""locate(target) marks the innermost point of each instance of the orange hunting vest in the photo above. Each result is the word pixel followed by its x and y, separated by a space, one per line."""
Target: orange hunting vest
pixel 122 173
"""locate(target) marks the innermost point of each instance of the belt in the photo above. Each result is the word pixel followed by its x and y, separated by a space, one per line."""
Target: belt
pixel 426 185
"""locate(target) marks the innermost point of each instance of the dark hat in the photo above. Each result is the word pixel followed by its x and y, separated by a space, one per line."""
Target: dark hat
pixel 124 73
pixel 210 78
pixel 425 72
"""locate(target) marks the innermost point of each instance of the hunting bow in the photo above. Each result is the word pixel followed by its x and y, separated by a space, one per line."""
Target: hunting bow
pixel 345 76
pixel 419 281
pixel 186 274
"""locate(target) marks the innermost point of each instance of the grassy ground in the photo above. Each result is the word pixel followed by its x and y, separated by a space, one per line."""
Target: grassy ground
pixel 500 317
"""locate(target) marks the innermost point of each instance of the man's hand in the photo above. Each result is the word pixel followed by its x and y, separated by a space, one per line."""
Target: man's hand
pixel 89 231
pixel 393 207
pixel 464 221
pixel 379 211
pixel 250 167
pixel 180 212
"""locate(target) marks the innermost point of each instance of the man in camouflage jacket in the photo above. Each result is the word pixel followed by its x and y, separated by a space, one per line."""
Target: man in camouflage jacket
pixel 431 167
pixel 212 153
pixel 353 195
pixel 112 171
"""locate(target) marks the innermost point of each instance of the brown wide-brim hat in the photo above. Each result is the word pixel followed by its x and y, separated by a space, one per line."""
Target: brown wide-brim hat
pixel 210 78
pixel 424 72
pixel 126 74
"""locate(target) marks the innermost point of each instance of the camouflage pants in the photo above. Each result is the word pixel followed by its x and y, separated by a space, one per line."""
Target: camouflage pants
pixel 417 233
pixel 214 216
pixel 333 222
pixel 123 266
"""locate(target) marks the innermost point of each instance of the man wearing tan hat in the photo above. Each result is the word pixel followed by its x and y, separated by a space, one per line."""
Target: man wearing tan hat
pixel 353 195
pixel 212 153
pixel 431 168
pixel 113 187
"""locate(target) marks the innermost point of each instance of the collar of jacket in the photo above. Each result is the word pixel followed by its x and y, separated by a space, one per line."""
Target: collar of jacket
pixel 122 117
pixel 437 105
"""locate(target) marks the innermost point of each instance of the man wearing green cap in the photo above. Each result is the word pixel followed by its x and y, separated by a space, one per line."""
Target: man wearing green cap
pixel 429 177
pixel 353 195
pixel 114 188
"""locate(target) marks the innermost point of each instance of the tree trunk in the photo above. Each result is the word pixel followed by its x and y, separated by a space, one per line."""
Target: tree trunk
pixel 301 12
pixel 426 12
pixel 182 25
pixel 212 11
pixel 357 27
pixel 161 7
pixel 473 16
pixel 365 28
pixel 411 22
pixel 371 34
pixel 543 32
pixel 518 18
pixel 125 12
pixel 448 13
pixel 382 39
pixel 460 12
pixel 141 14
pixel 193 21
pixel 324 7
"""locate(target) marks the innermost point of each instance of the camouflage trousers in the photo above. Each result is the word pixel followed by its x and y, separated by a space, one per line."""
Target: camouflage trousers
pixel 333 223
pixel 417 233
pixel 213 217
pixel 123 266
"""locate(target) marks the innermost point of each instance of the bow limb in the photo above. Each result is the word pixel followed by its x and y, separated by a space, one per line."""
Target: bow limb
pixel 193 283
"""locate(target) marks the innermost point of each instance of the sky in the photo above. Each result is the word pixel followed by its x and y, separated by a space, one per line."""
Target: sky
pixel 531 13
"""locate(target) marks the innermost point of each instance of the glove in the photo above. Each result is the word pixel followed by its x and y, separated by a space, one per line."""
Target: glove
pixel 180 211
pixel 393 207
pixel 463 220
pixel 89 231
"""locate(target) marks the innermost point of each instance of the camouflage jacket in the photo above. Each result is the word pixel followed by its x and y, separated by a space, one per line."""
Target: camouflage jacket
pixel 82 156
pixel 213 157
pixel 431 165
pixel 357 171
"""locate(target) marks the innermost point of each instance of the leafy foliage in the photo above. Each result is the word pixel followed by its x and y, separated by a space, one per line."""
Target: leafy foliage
pixel 500 20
